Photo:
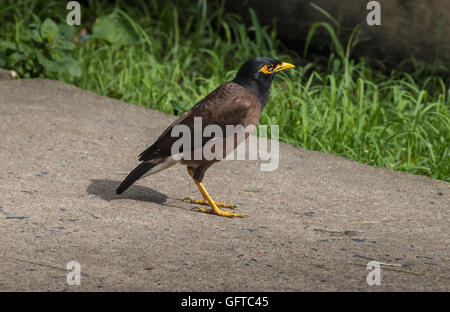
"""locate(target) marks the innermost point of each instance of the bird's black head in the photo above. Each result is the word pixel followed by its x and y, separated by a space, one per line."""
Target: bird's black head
pixel 257 73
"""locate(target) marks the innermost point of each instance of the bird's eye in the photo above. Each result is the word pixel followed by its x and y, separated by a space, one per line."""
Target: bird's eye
pixel 267 69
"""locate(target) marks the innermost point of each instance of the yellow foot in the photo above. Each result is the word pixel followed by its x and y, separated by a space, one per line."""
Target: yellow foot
pixel 205 202
pixel 229 214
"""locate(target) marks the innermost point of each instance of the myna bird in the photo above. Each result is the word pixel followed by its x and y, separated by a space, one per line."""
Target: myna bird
pixel 237 102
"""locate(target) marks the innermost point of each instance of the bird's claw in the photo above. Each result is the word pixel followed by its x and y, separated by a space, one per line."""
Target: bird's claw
pixel 229 214
pixel 205 202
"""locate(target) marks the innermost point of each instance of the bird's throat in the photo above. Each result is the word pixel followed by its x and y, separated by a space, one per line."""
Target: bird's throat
pixel 260 88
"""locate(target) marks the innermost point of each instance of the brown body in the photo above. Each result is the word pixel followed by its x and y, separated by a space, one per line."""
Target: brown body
pixel 229 104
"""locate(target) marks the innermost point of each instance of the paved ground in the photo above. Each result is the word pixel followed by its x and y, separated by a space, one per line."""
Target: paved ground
pixel 312 225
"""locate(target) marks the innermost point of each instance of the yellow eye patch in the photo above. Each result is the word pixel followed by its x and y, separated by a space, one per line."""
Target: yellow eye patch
pixel 267 69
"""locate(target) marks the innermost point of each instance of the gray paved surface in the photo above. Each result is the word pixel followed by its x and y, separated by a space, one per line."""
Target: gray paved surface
pixel 313 224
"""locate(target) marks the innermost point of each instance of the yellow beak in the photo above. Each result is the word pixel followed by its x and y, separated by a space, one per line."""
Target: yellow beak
pixel 283 66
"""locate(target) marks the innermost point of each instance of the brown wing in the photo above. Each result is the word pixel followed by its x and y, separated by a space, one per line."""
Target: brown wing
pixel 229 104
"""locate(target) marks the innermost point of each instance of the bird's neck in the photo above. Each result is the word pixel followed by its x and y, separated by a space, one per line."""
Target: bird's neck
pixel 260 88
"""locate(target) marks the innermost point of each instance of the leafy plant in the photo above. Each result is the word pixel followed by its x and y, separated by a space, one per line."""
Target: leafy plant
pixel 113 30
pixel 45 48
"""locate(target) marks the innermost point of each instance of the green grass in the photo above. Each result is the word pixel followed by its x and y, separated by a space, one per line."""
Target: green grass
pixel 166 57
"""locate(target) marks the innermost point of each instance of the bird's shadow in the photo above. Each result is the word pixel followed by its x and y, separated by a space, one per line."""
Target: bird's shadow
pixel 106 189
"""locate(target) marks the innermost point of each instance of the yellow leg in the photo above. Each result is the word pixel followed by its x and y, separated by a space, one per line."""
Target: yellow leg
pixel 214 209
pixel 205 202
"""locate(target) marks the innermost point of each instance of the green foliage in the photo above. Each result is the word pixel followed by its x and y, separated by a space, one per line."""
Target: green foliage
pixel 167 56
pixel 114 31
pixel 43 49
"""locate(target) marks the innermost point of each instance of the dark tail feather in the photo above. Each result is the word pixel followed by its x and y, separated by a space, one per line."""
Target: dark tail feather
pixel 134 175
